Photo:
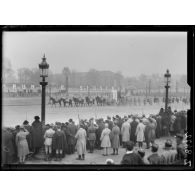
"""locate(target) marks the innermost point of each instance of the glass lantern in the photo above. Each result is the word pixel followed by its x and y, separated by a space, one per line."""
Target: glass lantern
pixel 44 67
pixel 167 77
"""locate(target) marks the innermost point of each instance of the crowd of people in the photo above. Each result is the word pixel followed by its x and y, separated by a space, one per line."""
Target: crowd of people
pixel 61 139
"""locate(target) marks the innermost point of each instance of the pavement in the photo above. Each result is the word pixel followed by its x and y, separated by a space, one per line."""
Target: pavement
pixel 98 158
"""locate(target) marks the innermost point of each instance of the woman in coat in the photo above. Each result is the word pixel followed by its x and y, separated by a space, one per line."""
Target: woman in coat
pixel 105 139
pixel 81 136
pixel 115 140
pixel 140 133
pixel 22 145
pixel 125 132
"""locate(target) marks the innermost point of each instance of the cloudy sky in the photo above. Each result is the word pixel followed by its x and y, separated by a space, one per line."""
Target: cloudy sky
pixel 132 53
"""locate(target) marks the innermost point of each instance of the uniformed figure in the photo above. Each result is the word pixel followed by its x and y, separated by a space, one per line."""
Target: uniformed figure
pixel 48 141
pixel 91 133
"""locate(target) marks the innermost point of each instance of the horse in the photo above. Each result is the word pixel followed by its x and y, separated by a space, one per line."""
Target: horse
pixel 54 101
pixel 100 101
pixel 65 101
pixel 89 101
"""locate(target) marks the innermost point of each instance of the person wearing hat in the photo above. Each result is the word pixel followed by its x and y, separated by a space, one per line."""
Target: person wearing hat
pixel 140 133
pixel 8 147
pixel 71 132
pixel 125 131
pixel 105 139
pixel 109 161
pixel 110 123
pixel 37 135
pixel 91 135
pixel 141 152
pixel 150 132
pixel 100 128
pixel 154 158
pixel 58 142
pixel 169 154
pixel 81 137
pixel 131 158
pixel 48 142
pixel 181 154
pixel 114 137
pixel 22 145
pixel 133 124
pixel 29 136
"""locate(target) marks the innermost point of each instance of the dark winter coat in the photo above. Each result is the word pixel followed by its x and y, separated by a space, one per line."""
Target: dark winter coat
pixel 132 159
pixel 71 132
pixel 155 159
pixel 133 130
pixel 37 134
pixel 59 141
pixel 7 147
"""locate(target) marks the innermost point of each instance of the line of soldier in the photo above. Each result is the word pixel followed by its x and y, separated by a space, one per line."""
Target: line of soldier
pixel 60 139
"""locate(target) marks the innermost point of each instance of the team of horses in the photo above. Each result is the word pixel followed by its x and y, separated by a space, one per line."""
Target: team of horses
pixel 101 101
pixel 74 101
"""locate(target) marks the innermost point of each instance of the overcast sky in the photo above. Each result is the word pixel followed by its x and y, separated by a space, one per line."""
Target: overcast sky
pixel 132 53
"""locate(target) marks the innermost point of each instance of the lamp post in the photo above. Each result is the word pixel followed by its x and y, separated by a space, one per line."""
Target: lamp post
pixel 43 73
pixel 167 77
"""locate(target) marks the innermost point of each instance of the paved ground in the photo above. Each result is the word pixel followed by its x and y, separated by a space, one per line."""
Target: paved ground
pixel 16 110
pixel 98 158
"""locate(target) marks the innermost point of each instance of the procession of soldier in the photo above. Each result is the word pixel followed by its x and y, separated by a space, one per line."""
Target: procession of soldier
pixel 136 133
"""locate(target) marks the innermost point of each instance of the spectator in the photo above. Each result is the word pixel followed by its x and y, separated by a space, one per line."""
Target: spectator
pixel 168 154
pixel 91 136
pixel 115 141
pixel 140 133
pixel 22 145
pixel 48 142
pixel 37 135
pixel 81 137
pixel 154 158
pixel 58 142
pixel 131 158
pixel 134 124
pixel 105 139
pixel 181 154
pixel 125 132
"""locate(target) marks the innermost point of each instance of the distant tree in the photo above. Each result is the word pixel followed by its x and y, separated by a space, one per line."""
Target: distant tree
pixel 8 72
pixel 66 74
pixel 25 75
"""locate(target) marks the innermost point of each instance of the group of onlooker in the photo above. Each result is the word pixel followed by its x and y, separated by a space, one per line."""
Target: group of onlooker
pixel 60 139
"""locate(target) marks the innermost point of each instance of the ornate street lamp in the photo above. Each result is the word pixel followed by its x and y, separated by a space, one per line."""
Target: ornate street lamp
pixel 167 77
pixel 44 66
